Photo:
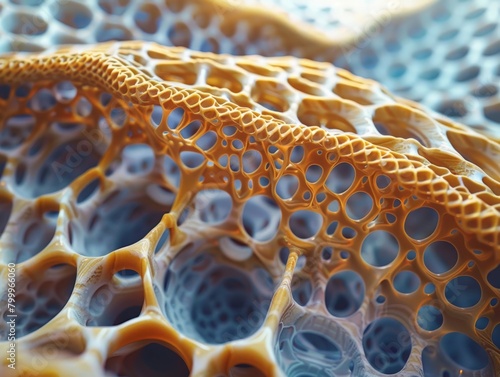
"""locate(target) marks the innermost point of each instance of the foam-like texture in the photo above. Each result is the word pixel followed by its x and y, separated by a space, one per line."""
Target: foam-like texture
pixel 446 57
pixel 418 49
pixel 178 212
pixel 206 25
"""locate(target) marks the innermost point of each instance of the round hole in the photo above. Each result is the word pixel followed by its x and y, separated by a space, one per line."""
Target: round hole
pixel 344 293
pixel 114 7
pixel 492 112
pixel 138 158
pixel 340 178
pixel 379 248
pixel 383 181
pixel 482 323
pixel 305 224
pixel 287 186
pixel 463 351
pixel 429 288
pixel 359 205
pixel 214 299
pixel 429 318
pixel 43 100
pixel 314 173
pixel 261 218
pixel 213 206
pixel 421 223
pixel 109 32
pixel 406 282
pixel 180 35
pixel 148 18
pixel 387 345
pixel 121 218
pixel 467 74
pixel 440 257
pixel 251 161
pixel 463 291
pixel 492 49
pixel 457 53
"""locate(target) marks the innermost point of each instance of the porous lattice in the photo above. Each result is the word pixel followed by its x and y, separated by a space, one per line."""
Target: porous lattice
pixel 174 213
pixel 207 25
pixel 453 43
pixel 447 57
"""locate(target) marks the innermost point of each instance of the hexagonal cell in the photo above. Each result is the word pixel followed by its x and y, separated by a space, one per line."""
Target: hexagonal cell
pixel 40 296
pixel 150 359
pixel 313 345
pixel 119 218
pixel 213 299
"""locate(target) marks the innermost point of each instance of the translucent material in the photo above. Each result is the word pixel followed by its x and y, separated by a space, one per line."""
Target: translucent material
pixel 196 228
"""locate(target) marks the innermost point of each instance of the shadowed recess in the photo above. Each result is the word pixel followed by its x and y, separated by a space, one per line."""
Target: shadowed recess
pixel 344 293
pixel 316 346
pixel 117 301
pixel 146 360
pixel 212 299
pixel 40 298
pixel 121 218
pixel 387 345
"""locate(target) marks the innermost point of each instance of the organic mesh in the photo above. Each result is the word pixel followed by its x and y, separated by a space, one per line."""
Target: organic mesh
pixel 206 25
pixel 222 221
pixel 451 44
pixel 448 43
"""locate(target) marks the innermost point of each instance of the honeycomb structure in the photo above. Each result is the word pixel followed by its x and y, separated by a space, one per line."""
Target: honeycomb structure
pixel 452 44
pixel 175 213
pixel 418 49
pixel 218 26
pixel 222 26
